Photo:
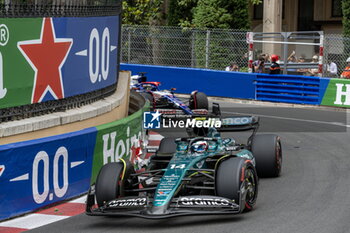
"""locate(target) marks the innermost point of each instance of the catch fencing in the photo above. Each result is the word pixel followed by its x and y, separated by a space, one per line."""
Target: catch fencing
pixel 217 48
pixel 173 46
pixel 337 50
pixel 59 8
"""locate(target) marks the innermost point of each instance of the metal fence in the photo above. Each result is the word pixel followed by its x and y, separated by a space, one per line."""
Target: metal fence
pixel 58 8
pixel 216 49
pixel 337 50
pixel 171 46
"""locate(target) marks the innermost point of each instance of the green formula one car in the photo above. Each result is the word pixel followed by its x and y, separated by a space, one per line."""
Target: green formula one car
pixel 200 174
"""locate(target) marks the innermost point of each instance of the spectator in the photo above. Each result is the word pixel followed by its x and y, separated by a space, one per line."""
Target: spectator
pixel 292 60
pixel 314 71
pixel 346 72
pixel 259 65
pixel 266 56
pixel 302 70
pixel 275 67
pixel 232 67
pixel 332 69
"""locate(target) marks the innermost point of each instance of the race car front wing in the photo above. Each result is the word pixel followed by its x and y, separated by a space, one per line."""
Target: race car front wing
pixel 143 207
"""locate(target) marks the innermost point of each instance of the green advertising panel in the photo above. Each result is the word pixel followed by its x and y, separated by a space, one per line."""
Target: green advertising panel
pixel 15 72
pixel 337 93
pixel 119 139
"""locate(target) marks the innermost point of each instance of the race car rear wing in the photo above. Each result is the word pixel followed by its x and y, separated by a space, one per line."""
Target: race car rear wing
pixel 226 124
pixel 241 123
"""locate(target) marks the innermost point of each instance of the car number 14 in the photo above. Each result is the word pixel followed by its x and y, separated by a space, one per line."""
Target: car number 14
pixel 180 166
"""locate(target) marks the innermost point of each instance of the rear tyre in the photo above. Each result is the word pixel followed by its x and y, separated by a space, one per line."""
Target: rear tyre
pixel 229 181
pixel 267 151
pixel 199 100
pixel 108 180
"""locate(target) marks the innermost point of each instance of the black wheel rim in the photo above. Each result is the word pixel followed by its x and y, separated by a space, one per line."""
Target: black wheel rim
pixel 250 186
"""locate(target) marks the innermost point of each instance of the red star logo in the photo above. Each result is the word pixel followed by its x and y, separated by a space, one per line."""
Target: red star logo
pixel 46 56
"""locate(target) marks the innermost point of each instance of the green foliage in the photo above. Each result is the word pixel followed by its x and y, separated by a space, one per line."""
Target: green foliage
pixel 180 12
pixel 346 17
pixel 221 14
pixel 223 48
pixel 210 14
pixel 256 2
pixel 141 12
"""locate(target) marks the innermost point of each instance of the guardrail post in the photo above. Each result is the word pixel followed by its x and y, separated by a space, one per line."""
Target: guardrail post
pixel 320 59
pixel 285 51
pixel 207 43
pixel 250 36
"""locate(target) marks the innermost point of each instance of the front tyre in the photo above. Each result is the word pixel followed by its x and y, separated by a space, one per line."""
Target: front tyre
pixel 234 176
pixel 113 180
pixel 108 183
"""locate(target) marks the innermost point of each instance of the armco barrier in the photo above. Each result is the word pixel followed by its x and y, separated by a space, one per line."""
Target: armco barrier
pixel 294 89
pixel 40 172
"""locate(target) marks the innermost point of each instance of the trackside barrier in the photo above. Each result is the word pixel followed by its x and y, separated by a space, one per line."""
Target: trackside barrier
pixel 288 89
pixel 295 89
pixel 186 80
pixel 40 172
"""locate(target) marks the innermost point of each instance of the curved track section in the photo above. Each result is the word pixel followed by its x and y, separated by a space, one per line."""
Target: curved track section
pixel 312 195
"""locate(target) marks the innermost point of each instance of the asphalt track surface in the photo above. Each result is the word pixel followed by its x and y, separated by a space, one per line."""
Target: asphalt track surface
pixel 312 195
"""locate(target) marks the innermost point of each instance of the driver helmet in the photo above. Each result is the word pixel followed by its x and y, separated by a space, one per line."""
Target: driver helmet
pixel 199 147
pixel 348 60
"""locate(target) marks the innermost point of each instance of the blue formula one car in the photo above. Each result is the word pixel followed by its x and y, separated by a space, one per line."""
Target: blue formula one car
pixel 196 175
pixel 166 102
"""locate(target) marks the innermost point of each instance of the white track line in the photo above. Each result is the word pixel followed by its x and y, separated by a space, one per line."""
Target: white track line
pixel 32 221
pixel 79 200
pixel 155 137
pixel 294 119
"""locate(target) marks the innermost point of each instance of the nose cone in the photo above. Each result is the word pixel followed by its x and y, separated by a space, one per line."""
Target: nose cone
pixel 157 210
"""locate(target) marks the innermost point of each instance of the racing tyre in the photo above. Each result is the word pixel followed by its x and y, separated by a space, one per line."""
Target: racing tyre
pixel 229 181
pixel 109 183
pixel 199 100
pixel 267 151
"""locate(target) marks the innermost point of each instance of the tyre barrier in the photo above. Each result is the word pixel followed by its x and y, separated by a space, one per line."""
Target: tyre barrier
pixel 40 172
pixel 294 89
